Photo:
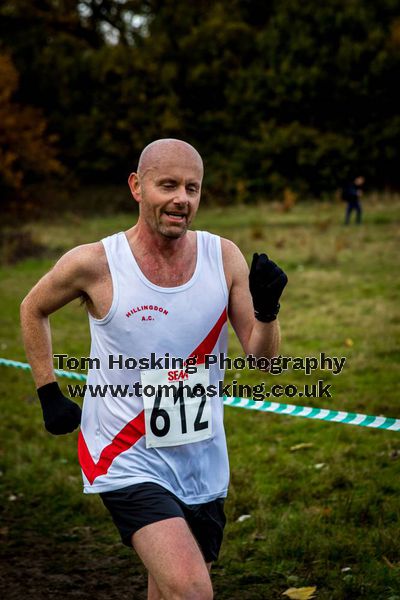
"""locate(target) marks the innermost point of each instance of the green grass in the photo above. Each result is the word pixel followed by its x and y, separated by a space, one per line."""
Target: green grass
pixel 308 522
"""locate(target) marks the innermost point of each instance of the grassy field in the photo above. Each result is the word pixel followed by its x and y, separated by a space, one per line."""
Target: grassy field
pixel 323 498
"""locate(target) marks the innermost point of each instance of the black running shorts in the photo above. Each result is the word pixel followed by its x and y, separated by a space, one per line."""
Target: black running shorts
pixel 138 505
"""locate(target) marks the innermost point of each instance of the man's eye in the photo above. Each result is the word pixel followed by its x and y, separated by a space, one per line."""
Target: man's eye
pixel 192 189
pixel 168 186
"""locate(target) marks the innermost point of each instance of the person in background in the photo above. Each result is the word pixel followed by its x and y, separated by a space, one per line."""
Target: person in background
pixel 351 193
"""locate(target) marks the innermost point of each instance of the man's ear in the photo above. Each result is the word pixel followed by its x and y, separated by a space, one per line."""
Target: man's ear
pixel 134 186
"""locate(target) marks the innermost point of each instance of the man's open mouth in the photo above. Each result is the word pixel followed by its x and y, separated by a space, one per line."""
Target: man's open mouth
pixel 175 215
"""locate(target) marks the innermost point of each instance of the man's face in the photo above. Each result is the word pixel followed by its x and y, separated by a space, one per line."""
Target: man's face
pixel 169 196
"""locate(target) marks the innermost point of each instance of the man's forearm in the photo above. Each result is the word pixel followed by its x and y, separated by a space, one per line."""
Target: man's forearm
pixel 264 339
pixel 60 414
pixel 37 341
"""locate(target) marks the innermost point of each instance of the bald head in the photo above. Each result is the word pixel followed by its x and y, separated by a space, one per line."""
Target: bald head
pixel 167 187
pixel 161 153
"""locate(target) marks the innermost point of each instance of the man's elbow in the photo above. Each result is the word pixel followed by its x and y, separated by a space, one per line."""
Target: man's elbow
pixel 24 307
pixel 25 312
pixel 29 309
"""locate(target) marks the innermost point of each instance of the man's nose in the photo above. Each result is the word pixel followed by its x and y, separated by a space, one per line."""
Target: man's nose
pixel 181 196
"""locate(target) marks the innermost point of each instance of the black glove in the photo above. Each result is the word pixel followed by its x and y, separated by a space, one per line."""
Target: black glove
pixel 266 281
pixel 60 414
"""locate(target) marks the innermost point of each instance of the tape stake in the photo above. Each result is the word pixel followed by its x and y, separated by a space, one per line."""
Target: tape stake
pixel 307 412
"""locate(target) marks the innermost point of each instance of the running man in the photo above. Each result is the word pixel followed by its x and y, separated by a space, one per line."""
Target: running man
pixel 159 462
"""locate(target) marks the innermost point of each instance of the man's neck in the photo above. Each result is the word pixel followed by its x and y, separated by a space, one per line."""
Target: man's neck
pixel 167 263
pixel 144 242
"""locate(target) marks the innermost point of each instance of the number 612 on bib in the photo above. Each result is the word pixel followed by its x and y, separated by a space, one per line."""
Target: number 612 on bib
pixel 178 412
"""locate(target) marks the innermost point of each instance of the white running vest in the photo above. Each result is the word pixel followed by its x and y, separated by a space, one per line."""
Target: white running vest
pixel 177 441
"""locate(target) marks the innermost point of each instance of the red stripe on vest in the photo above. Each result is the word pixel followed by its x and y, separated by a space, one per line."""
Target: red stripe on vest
pixel 135 429
pixel 125 439
pixel 209 342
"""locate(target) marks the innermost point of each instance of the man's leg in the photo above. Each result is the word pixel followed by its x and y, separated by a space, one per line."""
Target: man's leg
pixel 348 213
pixel 175 563
pixel 358 209
pixel 153 591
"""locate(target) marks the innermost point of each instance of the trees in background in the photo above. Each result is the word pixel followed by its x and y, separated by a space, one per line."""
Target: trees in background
pixel 274 94
pixel 27 151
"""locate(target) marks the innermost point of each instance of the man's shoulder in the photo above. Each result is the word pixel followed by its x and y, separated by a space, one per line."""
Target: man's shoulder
pixel 230 250
pixel 86 252
pixel 235 265
pixel 87 259
pixel 226 244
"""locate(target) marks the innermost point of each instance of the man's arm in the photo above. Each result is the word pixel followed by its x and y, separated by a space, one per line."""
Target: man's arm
pixel 68 280
pixel 64 283
pixel 256 337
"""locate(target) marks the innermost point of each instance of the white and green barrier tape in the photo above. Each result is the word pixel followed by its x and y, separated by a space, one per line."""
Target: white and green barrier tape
pixel 336 416
pixel 25 367
pixel 323 414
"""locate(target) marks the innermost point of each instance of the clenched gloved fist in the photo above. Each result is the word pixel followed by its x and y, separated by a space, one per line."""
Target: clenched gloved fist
pixel 266 281
pixel 60 414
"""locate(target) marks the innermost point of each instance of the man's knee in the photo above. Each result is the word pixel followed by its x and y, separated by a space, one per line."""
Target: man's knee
pixel 191 589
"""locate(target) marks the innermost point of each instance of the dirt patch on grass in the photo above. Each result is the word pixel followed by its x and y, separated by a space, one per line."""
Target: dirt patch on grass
pixel 47 569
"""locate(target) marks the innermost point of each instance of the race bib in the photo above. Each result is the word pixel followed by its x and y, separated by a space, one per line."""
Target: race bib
pixel 179 411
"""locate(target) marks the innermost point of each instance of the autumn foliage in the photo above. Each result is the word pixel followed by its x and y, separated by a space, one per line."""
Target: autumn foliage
pixel 27 151
pixel 275 95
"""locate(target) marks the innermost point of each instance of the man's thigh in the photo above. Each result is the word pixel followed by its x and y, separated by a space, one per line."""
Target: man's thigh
pixel 207 521
pixel 143 504
pixel 139 505
pixel 190 536
pixel 173 558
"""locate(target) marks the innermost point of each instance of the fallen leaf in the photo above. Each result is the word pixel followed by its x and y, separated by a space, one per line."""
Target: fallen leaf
pixel 243 518
pixel 304 593
pixel 301 446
